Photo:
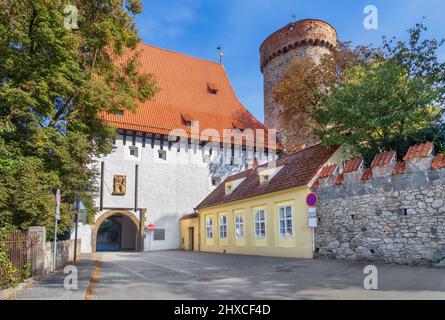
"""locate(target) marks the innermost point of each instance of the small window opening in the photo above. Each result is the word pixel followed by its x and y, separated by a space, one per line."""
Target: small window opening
pixel 134 151
pixel 265 179
pixel 216 181
pixel 228 188
pixel 162 154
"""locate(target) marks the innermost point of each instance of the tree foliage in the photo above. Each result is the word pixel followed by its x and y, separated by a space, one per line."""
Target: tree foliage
pixel 55 82
pixel 307 81
pixel 384 98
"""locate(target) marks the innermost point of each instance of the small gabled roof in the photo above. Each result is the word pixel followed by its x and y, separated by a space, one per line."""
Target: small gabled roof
pixel 399 169
pixel 298 169
pixel 419 151
pixel 367 175
pixel 340 179
pixel 353 165
pixel 438 162
pixel 327 171
pixel 382 159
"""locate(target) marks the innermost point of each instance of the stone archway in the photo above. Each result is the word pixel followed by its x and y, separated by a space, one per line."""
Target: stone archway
pixel 109 214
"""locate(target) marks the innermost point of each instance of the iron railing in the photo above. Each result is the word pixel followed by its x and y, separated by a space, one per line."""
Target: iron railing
pixel 21 250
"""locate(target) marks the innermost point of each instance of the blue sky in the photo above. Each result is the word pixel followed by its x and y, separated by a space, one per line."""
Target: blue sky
pixel 198 27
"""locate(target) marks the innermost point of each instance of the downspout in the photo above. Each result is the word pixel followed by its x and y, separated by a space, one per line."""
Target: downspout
pixel 199 229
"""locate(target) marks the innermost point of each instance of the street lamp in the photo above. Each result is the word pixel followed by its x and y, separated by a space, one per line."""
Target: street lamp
pixel 80 209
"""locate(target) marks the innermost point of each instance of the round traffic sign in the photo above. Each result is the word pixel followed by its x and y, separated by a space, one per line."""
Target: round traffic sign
pixel 151 227
pixel 312 200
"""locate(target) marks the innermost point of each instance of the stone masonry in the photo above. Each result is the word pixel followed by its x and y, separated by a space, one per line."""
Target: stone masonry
pixel 392 219
pixel 303 39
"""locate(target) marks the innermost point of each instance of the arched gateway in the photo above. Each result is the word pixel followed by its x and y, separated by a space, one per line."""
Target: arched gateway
pixel 129 225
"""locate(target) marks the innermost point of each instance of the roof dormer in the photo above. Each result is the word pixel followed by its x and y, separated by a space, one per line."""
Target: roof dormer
pixel 267 174
pixel 230 186
pixel 212 88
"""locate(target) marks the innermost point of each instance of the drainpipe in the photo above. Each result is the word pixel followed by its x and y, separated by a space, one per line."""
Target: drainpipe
pixel 199 230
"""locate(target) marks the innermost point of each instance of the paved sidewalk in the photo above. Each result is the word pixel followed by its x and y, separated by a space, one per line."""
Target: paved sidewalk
pixel 51 286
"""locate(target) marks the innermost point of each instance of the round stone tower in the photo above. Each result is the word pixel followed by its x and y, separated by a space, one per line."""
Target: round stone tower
pixel 303 39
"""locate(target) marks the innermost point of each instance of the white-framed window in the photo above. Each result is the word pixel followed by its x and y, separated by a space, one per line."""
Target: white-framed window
pixel 209 227
pixel 240 231
pixel 285 216
pixel 222 226
pixel 260 224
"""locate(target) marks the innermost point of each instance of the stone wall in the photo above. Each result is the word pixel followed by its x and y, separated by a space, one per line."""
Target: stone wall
pixel 42 257
pixel 396 219
pixel 65 254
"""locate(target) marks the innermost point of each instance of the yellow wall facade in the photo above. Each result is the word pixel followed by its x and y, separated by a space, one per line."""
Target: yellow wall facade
pixel 186 240
pixel 299 245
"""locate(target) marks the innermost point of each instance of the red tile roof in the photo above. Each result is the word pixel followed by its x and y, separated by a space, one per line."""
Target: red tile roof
pixel 367 175
pixel 438 162
pixel 238 176
pixel 298 170
pixel 189 216
pixel 383 159
pixel 316 184
pixel 353 165
pixel 327 171
pixel 340 179
pixel 418 151
pixel 184 83
pixel 399 169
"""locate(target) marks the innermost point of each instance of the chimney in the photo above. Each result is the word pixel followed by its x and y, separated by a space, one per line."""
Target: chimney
pixel 419 157
pixel 383 164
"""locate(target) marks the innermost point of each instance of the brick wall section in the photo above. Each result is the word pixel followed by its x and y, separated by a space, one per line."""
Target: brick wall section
pixel 396 219
pixel 304 39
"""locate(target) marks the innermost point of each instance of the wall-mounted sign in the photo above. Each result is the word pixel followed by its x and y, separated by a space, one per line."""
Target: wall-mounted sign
pixel 312 200
pixel 313 221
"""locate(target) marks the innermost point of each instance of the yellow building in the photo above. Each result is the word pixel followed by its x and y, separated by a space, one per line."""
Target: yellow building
pixel 261 211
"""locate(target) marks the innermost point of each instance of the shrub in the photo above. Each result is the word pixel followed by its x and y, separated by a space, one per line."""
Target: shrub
pixel 7 270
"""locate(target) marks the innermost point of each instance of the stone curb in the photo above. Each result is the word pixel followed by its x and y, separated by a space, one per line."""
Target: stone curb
pixel 9 293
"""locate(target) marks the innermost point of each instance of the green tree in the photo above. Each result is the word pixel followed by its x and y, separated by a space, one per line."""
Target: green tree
pixel 391 102
pixel 302 89
pixel 370 99
pixel 55 83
